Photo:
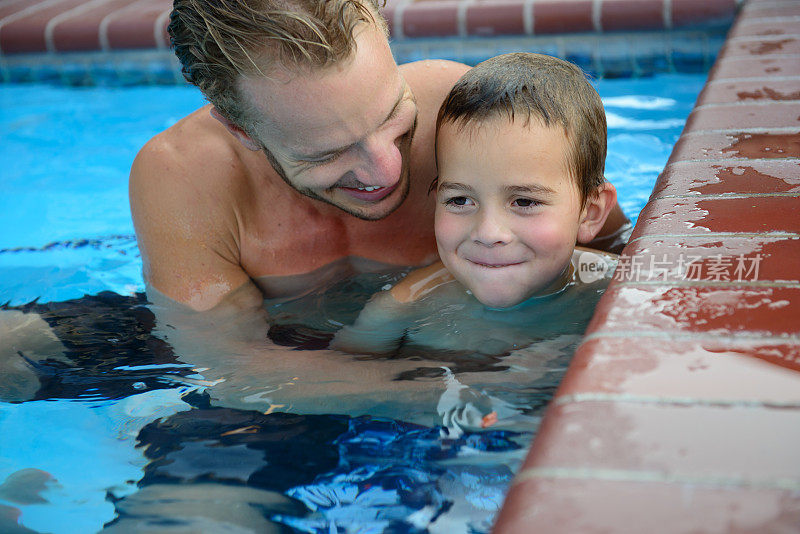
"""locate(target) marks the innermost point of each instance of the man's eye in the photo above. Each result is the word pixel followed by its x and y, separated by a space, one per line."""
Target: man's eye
pixel 323 160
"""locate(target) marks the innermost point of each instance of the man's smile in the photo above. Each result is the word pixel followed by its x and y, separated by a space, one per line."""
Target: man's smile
pixel 370 193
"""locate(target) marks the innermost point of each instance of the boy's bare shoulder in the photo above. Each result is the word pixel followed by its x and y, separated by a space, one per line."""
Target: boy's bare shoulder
pixel 591 265
pixel 420 282
pixel 601 253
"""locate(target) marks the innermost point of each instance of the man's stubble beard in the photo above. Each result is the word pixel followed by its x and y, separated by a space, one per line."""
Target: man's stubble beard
pixel 404 182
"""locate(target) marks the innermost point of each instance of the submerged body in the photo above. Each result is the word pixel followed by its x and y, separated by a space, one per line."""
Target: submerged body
pixel 520 153
pixel 443 315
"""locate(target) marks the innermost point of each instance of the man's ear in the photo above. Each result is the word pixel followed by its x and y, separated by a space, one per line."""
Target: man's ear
pixel 236 130
pixel 598 205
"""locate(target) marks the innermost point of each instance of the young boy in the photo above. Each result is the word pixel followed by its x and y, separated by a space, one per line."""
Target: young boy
pixel 520 150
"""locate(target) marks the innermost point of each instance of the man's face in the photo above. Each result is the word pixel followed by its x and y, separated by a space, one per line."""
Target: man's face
pixel 341 134
pixel 507 210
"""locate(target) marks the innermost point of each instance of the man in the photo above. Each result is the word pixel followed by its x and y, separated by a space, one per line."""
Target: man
pixel 313 160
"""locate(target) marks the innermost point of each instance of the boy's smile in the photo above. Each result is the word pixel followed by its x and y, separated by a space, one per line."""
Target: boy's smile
pixel 508 209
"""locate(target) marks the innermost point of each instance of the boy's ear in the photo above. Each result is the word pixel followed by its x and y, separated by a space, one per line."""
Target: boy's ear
pixel 595 211
pixel 236 130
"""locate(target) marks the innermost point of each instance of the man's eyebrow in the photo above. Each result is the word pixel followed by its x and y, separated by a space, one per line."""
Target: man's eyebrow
pixel 331 151
pixel 322 154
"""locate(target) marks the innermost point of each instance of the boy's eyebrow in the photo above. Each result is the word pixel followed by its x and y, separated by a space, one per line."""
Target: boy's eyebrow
pixel 454 185
pixel 527 188
pixel 531 188
pixel 330 151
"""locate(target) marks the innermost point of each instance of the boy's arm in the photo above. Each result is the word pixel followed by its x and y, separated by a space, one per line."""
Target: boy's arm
pixel 378 329
pixel 382 324
pixel 420 282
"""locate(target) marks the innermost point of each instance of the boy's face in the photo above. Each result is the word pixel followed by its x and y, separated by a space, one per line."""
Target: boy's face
pixel 508 210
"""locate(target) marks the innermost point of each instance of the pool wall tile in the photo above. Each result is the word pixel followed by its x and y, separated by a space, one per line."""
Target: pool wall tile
pixel 680 407
pixel 431 19
pixel 560 504
pixel 757 177
pixel 496 17
pixel 141 24
pixel 758 67
pixel 563 17
pixel 745 115
pixel 11 7
pixel 755 27
pixel 701 216
pixel 24 30
pixel 688 12
pixel 693 442
pixel 733 259
pixel 751 91
pixel 622 15
pixel 708 306
pixel 739 143
pixel 685 370
pixel 763 45
pixel 79 30
pixel 143 27
pixel 785 9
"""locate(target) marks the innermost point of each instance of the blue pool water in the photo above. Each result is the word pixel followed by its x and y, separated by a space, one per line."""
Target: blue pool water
pixel 121 423
pixel 66 153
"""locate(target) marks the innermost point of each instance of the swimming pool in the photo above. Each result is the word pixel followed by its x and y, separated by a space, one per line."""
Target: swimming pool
pixel 67 233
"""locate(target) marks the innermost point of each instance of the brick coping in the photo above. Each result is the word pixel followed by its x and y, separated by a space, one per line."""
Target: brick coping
pixel 680 411
pixel 35 26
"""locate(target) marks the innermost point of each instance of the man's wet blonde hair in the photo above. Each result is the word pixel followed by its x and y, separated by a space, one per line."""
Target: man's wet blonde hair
pixel 526 86
pixel 217 41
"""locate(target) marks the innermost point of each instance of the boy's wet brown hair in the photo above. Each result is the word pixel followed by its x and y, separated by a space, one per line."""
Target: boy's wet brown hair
pixel 526 86
pixel 217 41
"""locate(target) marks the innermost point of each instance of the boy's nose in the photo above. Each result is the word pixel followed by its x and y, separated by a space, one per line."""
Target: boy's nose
pixel 490 229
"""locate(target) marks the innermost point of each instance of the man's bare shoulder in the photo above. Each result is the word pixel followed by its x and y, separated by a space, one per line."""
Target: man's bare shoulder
pixel 186 179
pixel 184 187
pixel 431 80
pixel 196 148
pixel 421 282
pixel 432 75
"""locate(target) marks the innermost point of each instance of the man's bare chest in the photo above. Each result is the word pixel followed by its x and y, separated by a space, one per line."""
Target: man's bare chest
pixel 299 241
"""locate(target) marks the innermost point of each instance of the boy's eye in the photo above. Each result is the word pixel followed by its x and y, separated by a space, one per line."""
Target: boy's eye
pixel 526 202
pixel 458 201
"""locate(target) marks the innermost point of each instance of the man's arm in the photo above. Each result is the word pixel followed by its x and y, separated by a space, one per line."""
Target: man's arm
pixel 182 192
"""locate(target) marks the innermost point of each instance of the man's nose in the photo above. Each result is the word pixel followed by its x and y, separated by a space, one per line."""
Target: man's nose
pixel 490 228
pixel 385 161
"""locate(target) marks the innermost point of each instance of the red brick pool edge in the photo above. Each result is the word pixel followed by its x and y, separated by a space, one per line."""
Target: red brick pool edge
pixel 681 409
pixel 35 26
